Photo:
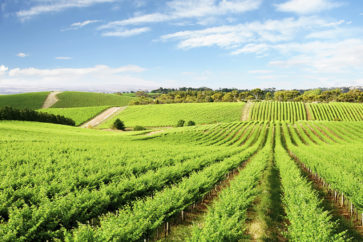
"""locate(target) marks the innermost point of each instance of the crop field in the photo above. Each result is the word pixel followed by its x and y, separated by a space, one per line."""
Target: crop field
pixel 229 180
pixel 79 115
pixel 25 100
pixel 88 99
pixel 278 111
pixel 169 114
pixel 336 111
pixel 67 183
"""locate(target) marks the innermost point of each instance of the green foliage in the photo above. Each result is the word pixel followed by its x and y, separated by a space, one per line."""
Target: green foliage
pixel 336 111
pixel 9 113
pixel 169 114
pixel 191 123
pixel 33 100
pixel 278 111
pixel 139 128
pixel 180 123
pixel 118 124
pixel 79 115
pixel 88 99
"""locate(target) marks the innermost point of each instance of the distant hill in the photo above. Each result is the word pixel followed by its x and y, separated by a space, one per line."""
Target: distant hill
pixel 32 100
pixel 88 99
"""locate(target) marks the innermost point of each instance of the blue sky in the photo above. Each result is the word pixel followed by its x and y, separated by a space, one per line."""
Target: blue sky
pixel 116 45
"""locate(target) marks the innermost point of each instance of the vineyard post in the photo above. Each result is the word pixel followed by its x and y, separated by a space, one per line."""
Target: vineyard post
pixel 342 199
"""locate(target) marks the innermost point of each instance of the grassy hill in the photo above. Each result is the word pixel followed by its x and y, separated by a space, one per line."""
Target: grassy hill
pixel 32 100
pixel 79 115
pixel 87 99
pixel 169 114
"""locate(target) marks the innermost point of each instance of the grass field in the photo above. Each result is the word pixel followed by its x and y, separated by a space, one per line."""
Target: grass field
pixel 32 100
pixel 79 115
pixel 256 180
pixel 88 99
pixel 169 114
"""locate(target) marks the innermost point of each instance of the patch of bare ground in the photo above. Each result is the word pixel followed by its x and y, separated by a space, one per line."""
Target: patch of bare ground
pixel 246 111
pixel 51 99
pixel 108 113
pixel 308 114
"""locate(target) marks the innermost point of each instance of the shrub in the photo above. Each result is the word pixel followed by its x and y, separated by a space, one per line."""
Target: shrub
pixel 118 124
pixel 190 123
pixel 138 128
pixel 180 123
pixel 9 113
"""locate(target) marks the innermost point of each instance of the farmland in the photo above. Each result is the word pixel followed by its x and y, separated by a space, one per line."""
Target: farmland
pixel 88 99
pixel 79 115
pixel 169 114
pixel 269 178
pixel 25 100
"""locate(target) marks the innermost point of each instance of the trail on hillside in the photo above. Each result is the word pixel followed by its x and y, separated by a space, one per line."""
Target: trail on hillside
pixel 102 117
pixel 308 114
pixel 51 99
pixel 246 111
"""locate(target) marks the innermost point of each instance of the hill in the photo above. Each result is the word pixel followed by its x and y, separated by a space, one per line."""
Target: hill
pixel 87 99
pixel 169 114
pixel 79 115
pixel 32 100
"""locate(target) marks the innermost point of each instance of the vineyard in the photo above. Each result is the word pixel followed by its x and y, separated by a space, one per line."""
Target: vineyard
pixel 88 185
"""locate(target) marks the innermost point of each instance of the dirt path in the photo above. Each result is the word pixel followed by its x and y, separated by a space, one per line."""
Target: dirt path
pixel 51 99
pixel 102 117
pixel 308 114
pixel 246 111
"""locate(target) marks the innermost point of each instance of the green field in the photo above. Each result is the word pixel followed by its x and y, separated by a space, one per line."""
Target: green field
pixel 278 111
pixel 228 180
pixel 336 111
pixel 33 100
pixel 79 115
pixel 169 114
pixel 88 99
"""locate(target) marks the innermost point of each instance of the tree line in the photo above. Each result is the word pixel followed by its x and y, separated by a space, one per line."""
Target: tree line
pixel 200 95
pixel 10 113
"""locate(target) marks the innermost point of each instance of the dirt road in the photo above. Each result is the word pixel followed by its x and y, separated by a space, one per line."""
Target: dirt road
pixel 102 117
pixel 246 111
pixel 50 100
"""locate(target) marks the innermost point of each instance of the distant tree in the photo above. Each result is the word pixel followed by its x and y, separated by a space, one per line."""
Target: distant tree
pixel 141 94
pixel 139 128
pixel 228 97
pixel 257 93
pixel 180 123
pixel 268 96
pixel 191 123
pixel 118 124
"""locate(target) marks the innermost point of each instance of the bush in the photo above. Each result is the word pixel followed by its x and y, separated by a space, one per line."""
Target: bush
pixel 118 124
pixel 9 113
pixel 180 123
pixel 138 128
pixel 190 123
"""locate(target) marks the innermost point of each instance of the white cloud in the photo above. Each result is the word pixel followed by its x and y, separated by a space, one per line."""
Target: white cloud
pixel 22 55
pixel 79 25
pixel 325 57
pixel 3 69
pixel 256 33
pixel 100 77
pixel 57 6
pixel 306 6
pixel 184 9
pixel 126 32
pixel 63 58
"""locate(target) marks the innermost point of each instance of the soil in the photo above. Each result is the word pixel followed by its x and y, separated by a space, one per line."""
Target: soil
pixel 50 100
pixel 102 117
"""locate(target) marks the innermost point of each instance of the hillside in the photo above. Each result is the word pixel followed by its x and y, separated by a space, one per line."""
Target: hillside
pixel 33 100
pixel 79 115
pixel 169 114
pixel 87 99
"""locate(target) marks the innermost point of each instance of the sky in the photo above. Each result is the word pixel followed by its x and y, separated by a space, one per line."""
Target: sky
pixel 122 45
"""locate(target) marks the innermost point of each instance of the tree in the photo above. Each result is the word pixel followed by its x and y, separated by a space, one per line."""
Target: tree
pixel 190 123
pixel 180 123
pixel 118 124
pixel 257 93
